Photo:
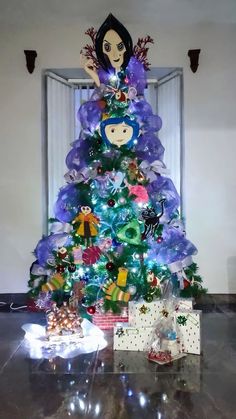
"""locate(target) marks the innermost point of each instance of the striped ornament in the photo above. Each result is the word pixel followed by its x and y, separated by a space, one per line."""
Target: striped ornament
pixel 114 293
pixel 54 283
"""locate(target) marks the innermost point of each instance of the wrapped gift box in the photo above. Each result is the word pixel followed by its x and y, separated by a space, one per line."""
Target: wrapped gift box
pixel 128 338
pixel 108 320
pixel 188 329
pixel 143 314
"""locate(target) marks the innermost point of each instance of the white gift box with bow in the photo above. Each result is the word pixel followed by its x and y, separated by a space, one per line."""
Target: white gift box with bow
pixel 129 338
pixel 143 314
pixel 188 329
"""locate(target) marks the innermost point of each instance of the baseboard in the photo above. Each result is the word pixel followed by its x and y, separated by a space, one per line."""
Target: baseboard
pixel 21 298
pixel 217 299
pixel 204 302
pixel 10 302
pixel 16 298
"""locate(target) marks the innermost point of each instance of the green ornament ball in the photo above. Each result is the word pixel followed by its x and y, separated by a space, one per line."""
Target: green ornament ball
pixel 148 298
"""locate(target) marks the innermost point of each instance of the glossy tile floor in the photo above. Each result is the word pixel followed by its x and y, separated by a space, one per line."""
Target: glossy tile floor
pixel 119 385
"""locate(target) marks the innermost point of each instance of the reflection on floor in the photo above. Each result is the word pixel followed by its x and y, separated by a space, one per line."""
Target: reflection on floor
pixel 120 385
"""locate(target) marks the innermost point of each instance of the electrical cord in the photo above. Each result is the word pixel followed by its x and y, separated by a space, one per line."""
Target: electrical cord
pixel 16 308
pixel 11 306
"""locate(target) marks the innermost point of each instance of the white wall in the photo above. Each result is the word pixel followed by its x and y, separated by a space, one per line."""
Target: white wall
pixel 210 146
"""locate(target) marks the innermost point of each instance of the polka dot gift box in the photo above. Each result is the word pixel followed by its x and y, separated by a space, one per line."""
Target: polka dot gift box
pixel 143 314
pixel 128 338
pixel 188 329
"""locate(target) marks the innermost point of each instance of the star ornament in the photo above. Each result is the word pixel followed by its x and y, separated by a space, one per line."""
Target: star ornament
pixel 182 320
pixel 164 313
pixel 144 309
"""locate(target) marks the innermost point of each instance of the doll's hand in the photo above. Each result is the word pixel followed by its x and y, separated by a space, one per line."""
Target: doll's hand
pixel 89 67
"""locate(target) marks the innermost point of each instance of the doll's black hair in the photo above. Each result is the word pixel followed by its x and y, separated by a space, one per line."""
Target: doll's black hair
pixel 112 23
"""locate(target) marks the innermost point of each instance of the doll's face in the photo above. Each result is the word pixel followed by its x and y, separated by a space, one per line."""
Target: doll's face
pixel 119 134
pixel 86 210
pixel 114 48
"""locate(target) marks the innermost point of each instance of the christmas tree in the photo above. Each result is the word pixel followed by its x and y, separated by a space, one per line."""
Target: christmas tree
pixel 117 233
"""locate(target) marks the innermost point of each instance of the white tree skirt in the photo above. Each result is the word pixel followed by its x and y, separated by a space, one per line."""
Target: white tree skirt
pixel 69 346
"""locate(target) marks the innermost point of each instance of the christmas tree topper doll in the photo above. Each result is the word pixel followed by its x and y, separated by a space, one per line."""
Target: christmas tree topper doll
pixel 113 46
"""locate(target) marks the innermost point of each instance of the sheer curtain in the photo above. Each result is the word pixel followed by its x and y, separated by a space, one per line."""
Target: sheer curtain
pixel 60 133
pixel 170 111
pixel 82 94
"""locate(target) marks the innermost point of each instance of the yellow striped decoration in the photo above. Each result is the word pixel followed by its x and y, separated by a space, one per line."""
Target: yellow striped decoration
pixel 122 277
pixel 54 283
pixel 114 293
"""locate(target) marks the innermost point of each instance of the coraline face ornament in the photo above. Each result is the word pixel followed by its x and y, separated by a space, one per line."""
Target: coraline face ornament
pixel 119 131
pixel 114 48
pixel 85 209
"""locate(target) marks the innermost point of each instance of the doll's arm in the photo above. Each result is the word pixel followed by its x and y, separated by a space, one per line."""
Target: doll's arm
pixel 77 218
pixel 94 219
pixel 90 69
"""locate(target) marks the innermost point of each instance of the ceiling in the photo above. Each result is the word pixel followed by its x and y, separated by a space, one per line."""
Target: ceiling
pixel 26 12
